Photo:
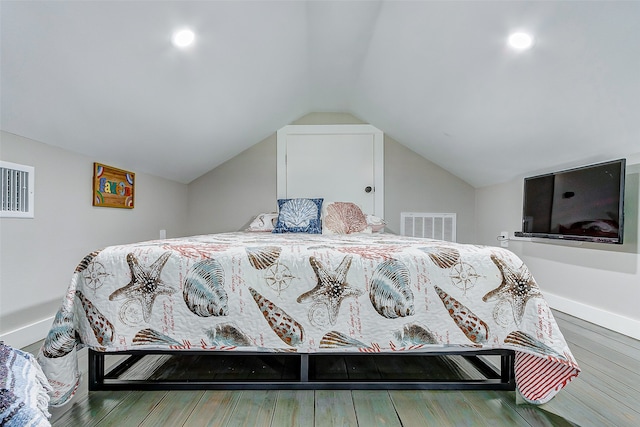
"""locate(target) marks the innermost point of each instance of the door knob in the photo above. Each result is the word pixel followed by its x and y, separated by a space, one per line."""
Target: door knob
pixel 368 189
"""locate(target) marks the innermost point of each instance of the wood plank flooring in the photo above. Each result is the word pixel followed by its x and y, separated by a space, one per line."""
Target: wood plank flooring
pixel 606 393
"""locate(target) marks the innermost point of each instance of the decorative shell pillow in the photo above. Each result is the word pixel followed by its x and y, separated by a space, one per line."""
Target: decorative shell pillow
pixel 299 216
pixel 344 218
pixel 263 222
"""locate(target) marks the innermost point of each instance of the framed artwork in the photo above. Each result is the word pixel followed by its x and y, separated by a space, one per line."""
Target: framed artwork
pixel 112 187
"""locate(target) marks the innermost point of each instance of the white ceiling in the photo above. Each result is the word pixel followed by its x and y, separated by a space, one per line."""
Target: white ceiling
pixel 102 78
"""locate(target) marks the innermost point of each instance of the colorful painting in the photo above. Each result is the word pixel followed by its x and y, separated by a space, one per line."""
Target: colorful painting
pixel 112 188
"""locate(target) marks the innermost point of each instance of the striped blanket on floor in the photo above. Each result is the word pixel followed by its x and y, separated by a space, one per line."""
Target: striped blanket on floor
pixel 24 390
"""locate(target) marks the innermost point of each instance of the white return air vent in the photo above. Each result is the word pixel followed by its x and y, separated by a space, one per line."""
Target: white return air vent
pixel 17 190
pixel 440 226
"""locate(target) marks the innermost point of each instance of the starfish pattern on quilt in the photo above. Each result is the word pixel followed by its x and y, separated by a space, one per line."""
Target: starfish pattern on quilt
pixel 145 284
pixel 517 286
pixel 332 287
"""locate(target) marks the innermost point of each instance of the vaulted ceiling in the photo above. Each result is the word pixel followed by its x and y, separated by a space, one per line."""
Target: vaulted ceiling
pixel 103 79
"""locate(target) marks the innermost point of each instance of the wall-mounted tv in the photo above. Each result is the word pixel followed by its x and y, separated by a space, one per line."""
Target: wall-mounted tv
pixel 585 203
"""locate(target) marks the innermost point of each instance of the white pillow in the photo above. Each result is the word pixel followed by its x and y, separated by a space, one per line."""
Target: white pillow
pixel 375 224
pixel 263 222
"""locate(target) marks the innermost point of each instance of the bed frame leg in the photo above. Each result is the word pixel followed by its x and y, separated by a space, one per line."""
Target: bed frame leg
pixel 96 370
pixel 507 368
pixel 304 368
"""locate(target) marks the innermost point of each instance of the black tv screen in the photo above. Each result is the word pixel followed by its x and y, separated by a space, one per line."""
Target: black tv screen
pixel 585 203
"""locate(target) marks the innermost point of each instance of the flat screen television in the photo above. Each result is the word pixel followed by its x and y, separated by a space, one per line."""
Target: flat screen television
pixel 585 203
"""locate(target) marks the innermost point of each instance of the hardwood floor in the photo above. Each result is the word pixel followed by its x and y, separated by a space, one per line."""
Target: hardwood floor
pixel 606 393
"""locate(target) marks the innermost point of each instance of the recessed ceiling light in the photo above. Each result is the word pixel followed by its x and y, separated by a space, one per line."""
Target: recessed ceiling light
pixel 183 38
pixel 520 41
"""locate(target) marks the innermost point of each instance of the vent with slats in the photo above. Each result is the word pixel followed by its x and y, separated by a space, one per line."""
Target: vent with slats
pixel 17 189
pixel 440 226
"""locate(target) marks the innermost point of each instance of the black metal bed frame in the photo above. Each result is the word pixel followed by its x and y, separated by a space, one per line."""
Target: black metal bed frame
pixel 495 379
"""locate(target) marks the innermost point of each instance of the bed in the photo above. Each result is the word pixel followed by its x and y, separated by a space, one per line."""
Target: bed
pixel 306 294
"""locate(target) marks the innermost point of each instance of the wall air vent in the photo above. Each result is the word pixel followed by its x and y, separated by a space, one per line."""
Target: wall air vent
pixel 439 226
pixel 17 185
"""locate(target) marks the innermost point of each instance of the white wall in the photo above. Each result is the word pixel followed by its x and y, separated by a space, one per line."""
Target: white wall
pixel 415 184
pixel 597 282
pixel 226 198
pixel 229 196
pixel 38 256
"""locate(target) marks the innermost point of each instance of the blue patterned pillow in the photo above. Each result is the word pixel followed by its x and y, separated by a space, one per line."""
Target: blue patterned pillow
pixel 299 216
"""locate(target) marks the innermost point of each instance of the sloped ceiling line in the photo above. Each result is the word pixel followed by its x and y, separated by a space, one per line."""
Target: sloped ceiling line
pixel 101 78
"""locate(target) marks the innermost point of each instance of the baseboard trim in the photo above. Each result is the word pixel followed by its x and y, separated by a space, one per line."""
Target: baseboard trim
pixel 606 319
pixel 28 334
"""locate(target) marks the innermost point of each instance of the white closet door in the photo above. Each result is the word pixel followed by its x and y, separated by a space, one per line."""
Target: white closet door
pixel 335 162
pixel 335 167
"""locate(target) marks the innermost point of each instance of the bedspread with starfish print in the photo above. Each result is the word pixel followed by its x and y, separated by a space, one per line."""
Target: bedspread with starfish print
pixel 307 293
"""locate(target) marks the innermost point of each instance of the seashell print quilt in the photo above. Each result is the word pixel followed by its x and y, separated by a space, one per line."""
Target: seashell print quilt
pixel 307 293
